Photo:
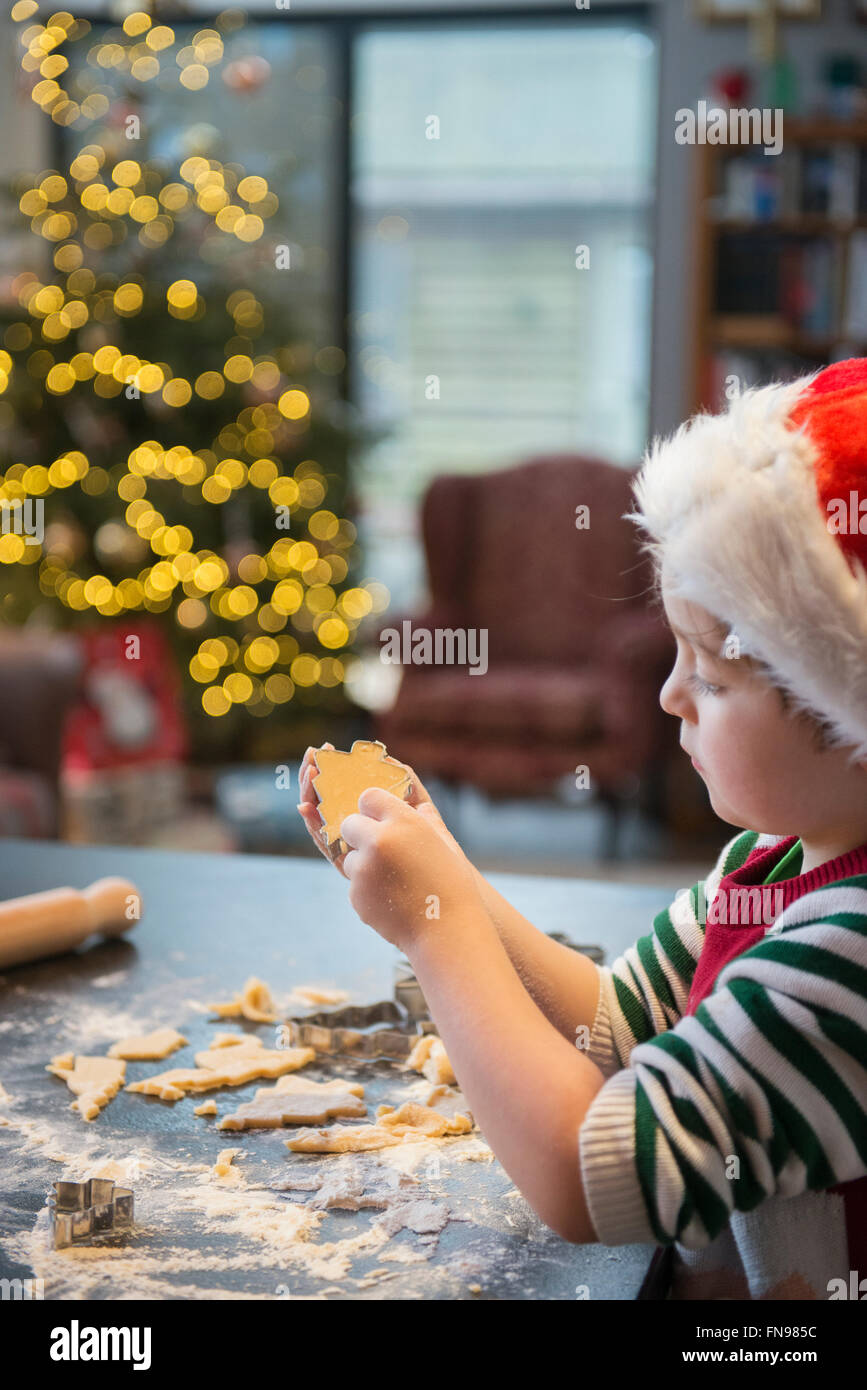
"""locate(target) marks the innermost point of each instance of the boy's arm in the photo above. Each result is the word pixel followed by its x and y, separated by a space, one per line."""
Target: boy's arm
pixel 528 1088
pixel 562 982
pixel 642 994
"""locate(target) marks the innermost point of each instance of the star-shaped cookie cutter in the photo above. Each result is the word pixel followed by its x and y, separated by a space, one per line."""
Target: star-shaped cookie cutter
pixel 79 1211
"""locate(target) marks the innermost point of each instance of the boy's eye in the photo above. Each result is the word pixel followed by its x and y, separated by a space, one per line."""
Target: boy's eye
pixel 703 686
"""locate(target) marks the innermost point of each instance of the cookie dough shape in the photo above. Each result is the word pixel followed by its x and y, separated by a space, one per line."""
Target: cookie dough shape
pixel 410 1122
pixel 344 776
pixel 148 1047
pixel 448 1101
pixel 207 1107
pixel 312 995
pixel 225 1158
pixel 429 1057
pixel 232 1060
pixel 94 1080
pixel 254 1002
pixel 296 1101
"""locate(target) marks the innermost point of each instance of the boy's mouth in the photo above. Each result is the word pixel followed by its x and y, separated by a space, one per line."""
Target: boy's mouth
pixel 697 765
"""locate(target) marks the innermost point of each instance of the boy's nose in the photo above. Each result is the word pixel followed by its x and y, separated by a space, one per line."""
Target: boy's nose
pixel 674 699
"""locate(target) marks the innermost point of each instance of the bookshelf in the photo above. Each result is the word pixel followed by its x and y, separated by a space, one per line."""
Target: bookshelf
pixel 781 274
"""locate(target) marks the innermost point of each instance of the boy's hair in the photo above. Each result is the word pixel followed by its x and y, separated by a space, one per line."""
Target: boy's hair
pixel 717 633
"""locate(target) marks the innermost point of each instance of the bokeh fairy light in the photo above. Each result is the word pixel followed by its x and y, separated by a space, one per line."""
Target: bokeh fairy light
pixel 282 616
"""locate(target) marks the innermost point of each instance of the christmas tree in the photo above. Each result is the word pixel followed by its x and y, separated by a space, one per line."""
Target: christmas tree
pixel 182 435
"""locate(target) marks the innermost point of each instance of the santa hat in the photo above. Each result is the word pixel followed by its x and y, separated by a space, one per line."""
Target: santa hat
pixel 755 514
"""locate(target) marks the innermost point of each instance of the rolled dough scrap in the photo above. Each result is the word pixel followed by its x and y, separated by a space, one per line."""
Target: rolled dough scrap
pixel 232 1060
pixel 94 1080
pixel 417 1120
pixel 225 1159
pixel 448 1101
pixel 423 1217
pixel 347 1184
pixel 410 1122
pixel 341 1139
pixel 254 1002
pixel 148 1047
pixel 207 1107
pixel 429 1057
pixel 313 994
pixel 344 776
pixel 297 1101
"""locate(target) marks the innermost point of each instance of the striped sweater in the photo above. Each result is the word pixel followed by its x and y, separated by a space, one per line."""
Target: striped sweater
pixel 733 1120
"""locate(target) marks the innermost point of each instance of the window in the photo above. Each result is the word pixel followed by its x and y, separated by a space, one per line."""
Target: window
pixel 483 155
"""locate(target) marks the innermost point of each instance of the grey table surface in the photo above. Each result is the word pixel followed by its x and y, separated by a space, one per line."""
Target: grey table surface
pixel 210 922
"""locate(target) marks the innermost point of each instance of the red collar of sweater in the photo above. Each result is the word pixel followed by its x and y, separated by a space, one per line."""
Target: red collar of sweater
pixel 724 939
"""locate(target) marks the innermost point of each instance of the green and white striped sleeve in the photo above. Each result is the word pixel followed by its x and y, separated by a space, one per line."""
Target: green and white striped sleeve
pixel 645 991
pixel 760 1093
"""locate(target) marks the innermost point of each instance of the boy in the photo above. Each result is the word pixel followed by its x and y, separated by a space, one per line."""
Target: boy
pixel 716 1100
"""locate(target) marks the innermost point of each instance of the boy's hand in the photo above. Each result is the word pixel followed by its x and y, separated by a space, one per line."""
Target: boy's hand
pixel 404 876
pixel 418 798
pixel 307 808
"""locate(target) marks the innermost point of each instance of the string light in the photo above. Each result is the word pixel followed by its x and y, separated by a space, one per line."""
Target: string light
pixel 83 210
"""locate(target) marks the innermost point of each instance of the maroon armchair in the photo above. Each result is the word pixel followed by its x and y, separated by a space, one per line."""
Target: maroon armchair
pixel 576 653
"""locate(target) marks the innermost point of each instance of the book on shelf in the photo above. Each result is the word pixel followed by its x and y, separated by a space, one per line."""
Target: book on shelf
pixel 784 283
pixel 824 181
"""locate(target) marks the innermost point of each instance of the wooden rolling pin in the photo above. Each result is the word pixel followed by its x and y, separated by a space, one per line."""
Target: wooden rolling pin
pixel 44 924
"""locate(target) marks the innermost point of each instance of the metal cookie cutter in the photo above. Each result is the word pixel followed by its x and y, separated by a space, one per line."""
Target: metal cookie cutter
pixel 78 1211
pixel 384 1029
pixel 407 992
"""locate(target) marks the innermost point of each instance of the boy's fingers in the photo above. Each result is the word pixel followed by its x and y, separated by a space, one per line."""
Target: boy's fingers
pixel 356 830
pixel 378 804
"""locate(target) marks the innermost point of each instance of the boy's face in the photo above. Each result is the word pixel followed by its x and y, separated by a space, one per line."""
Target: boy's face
pixel 760 765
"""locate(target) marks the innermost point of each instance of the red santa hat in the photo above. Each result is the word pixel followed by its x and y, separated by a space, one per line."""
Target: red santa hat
pixel 759 514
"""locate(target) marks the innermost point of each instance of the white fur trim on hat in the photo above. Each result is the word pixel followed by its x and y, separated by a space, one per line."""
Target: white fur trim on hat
pixel 731 505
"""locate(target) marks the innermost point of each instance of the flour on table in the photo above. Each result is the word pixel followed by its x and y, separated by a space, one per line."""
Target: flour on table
pixel 94 1080
pixel 148 1047
pixel 406 1255
pixel 88 1025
